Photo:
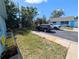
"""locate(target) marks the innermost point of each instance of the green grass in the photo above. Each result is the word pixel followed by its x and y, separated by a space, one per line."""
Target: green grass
pixel 34 47
pixel 22 31
pixel 10 42
pixel 68 28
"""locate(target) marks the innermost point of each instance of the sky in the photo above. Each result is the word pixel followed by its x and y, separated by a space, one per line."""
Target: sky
pixel 46 7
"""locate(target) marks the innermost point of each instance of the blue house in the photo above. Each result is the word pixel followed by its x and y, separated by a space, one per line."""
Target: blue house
pixel 65 21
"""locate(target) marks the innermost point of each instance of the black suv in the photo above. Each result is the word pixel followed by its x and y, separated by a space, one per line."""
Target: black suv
pixel 44 27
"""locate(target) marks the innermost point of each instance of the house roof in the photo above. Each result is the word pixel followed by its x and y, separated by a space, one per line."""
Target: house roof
pixel 69 18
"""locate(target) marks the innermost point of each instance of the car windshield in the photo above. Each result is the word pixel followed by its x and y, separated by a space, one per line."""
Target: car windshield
pixel 51 26
pixel 45 25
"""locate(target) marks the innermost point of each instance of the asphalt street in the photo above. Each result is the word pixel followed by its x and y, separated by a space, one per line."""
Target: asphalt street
pixel 73 36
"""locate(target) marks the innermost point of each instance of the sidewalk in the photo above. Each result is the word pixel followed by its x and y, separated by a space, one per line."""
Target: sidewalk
pixel 74 30
pixel 72 46
pixel 17 56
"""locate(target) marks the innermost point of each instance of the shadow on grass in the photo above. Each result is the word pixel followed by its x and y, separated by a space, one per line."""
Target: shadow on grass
pixel 51 32
pixel 46 31
pixel 11 53
pixel 23 31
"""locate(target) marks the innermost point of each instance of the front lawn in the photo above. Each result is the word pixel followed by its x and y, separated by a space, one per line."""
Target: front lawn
pixel 34 47
pixel 68 28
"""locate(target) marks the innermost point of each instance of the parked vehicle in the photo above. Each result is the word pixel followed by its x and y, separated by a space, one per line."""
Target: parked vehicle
pixel 55 27
pixel 58 26
pixel 44 27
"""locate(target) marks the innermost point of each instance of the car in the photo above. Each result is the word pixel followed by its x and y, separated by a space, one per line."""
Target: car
pixel 58 26
pixel 44 27
pixel 55 27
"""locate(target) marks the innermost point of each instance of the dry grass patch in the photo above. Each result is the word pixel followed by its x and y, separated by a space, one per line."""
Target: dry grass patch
pixel 34 47
pixel 68 28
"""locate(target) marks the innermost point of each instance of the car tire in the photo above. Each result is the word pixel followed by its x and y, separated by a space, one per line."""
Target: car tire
pixel 56 28
pixel 45 30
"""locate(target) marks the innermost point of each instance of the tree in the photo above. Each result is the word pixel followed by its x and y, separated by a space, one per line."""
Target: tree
pixel 28 14
pixel 44 20
pixel 40 20
pixel 57 13
pixel 76 17
pixel 11 13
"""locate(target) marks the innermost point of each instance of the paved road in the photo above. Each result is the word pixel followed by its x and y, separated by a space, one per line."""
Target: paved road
pixel 73 36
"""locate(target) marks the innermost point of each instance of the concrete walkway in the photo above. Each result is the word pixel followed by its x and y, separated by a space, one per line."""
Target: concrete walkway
pixel 17 56
pixel 73 30
pixel 72 46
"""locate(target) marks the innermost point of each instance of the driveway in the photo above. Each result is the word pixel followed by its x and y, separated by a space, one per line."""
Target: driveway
pixel 73 36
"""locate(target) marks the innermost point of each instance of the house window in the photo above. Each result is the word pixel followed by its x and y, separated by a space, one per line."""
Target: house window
pixel 64 22
pixel 54 22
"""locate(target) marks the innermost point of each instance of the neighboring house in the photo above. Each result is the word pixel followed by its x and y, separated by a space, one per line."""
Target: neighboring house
pixel 3 17
pixel 64 21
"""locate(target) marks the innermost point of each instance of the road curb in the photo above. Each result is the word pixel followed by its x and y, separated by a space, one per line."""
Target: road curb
pixel 72 46
pixel 70 30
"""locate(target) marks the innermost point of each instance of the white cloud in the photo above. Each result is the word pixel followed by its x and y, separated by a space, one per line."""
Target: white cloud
pixel 35 1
